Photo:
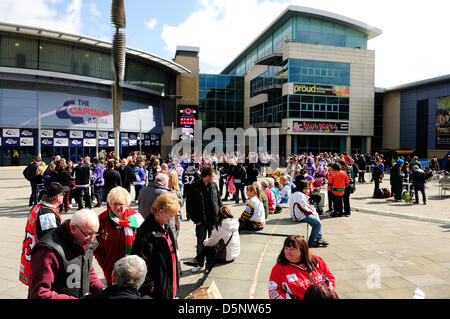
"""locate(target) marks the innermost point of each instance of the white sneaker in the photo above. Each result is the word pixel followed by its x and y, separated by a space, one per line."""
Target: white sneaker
pixel 196 268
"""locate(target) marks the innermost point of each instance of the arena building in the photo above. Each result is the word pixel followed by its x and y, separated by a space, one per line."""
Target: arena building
pixel 416 116
pixel 61 84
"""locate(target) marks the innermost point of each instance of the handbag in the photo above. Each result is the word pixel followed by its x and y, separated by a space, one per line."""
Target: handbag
pixel 221 252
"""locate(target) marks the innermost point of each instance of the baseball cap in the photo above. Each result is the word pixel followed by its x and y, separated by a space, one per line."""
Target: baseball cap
pixel 54 189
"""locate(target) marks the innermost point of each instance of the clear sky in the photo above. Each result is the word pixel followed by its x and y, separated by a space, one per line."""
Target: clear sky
pixel 414 44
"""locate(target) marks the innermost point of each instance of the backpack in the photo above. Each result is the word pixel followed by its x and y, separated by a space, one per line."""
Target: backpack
pixel 378 194
pixel 386 192
pixel 29 172
pixel 405 196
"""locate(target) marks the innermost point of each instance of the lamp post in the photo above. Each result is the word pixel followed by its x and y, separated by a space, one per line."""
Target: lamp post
pixel 118 55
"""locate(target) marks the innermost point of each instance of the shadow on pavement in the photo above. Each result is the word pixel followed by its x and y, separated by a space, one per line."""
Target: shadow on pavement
pixel 185 290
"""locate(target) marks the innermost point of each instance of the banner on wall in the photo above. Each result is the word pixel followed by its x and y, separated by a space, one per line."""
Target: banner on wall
pixel 320 127
pixel 77 142
pixel 26 133
pixel 47 133
pixel 26 141
pixel 61 141
pixel 318 89
pixel 11 132
pixel 76 134
pixel 443 122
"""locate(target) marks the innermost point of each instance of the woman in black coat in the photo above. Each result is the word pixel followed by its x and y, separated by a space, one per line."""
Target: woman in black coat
pixel 157 245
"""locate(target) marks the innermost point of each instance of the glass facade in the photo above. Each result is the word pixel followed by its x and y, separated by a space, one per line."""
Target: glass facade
pixel 59 56
pixel 276 75
pixel 317 144
pixel 305 106
pixel 318 72
pixel 301 29
pixel 221 101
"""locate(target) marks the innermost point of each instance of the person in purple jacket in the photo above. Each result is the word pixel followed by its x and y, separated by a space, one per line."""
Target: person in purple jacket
pixel 97 181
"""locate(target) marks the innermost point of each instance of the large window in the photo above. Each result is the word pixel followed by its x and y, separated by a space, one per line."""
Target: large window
pixel 19 52
pixel 318 72
pixel 59 56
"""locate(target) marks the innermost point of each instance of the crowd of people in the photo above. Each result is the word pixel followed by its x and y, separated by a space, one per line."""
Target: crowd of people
pixel 137 250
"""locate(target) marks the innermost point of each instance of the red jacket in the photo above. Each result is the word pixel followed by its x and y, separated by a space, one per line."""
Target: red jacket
pixel 291 281
pixel 338 182
pixel 111 244
pixel 271 197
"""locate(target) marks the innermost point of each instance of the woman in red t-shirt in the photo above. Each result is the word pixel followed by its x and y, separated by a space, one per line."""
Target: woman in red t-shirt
pixel 296 269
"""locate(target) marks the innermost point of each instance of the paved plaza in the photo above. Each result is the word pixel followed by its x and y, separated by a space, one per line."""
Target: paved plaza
pixel 384 250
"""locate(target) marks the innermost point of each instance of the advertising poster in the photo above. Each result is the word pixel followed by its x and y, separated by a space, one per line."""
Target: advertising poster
pixel 26 141
pixel 11 132
pixel 76 142
pixel 61 133
pixel 111 142
pixel 320 127
pixel 26 133
pixel 47 133
pixel 89 142
pixel 61 141
pixel 47 141
pixel 443 122
pixel 76 134
pixel 317 89
pixel 10 141
pixel 103 135
pixel 103 143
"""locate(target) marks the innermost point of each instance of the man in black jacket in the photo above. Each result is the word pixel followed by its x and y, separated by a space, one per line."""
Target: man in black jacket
pixel 83 182
pixel 202 206
pixel 126 174
pixel 418 178
pixel 30 172
pixel 112 179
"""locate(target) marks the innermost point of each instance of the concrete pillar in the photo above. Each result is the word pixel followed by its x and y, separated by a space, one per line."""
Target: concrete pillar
pixel 288 144
pixel 348 144
pixel 368 144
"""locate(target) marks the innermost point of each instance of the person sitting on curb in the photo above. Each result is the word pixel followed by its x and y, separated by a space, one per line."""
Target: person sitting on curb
pixel 302 211
pixel 223 245
pixel 253 218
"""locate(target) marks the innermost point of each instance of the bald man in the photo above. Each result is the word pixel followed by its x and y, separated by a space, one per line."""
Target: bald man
pixel 61 261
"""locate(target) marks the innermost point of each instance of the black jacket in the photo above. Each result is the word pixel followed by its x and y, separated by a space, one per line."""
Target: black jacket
pixel 112 179
pixel 239 174
pixel 63 177
pixel 203 203
pixel 116 292
pixel 418 177
pixel 82 174
pixel 150 245
pixel 252 173
pixel 127 176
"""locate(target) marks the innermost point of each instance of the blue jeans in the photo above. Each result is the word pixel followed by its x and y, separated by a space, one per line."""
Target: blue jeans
pixel 240 187
pixel 316 231
pixel 421 188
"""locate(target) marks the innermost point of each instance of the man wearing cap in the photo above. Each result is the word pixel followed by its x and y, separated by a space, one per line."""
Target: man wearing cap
pixel 43 217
